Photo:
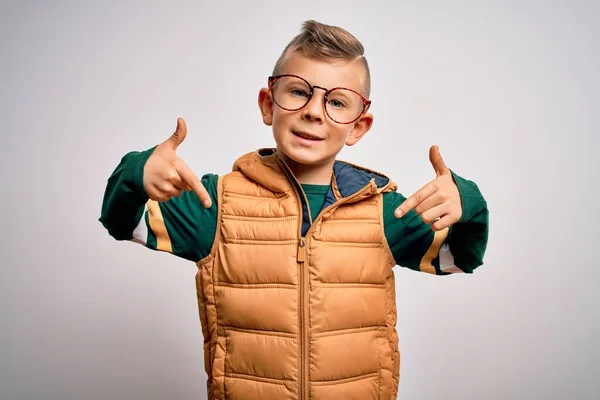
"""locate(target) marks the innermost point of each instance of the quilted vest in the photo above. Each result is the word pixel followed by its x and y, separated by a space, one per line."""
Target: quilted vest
pixel 294 310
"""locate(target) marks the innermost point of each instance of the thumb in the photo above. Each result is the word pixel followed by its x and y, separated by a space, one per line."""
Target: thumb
pixel 437 161
pixel 179 135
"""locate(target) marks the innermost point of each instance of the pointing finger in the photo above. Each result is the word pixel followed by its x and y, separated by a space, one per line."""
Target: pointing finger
pixel 430 202
pixel 416 199
pixel 191 180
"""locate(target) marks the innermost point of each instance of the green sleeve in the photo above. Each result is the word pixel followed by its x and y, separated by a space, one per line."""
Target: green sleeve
pixel 181 226
pixel 460 248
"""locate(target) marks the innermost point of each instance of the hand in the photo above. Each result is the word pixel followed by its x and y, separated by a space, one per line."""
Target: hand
pixel 166 175
pixel 438 203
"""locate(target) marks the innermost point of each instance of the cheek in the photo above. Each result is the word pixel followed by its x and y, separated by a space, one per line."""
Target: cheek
pixel 280 121
pixel 340 134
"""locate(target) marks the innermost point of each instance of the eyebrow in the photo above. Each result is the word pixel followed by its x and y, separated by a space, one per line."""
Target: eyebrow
pixel 361 90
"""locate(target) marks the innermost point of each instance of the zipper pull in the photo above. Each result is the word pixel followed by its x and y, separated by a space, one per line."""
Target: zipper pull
pixel 301 250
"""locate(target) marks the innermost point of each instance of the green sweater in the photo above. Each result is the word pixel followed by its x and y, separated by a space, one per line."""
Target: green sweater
pixel 192 228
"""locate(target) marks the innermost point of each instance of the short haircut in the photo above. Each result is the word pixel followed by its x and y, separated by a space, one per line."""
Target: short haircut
pixel 327 43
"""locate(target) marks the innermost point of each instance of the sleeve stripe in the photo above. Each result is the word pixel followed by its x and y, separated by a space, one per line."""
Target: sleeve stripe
pixel 157 224
pixel 426 262
pixel 140 233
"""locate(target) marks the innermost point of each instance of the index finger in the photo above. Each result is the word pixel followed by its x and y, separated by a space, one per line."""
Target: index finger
pixel 193 182
pixel 414 200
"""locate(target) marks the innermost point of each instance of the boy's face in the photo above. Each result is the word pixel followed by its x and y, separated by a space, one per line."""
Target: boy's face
pixel 290 126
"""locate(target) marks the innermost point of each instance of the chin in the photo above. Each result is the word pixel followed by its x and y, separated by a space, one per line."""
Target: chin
pixel 302 155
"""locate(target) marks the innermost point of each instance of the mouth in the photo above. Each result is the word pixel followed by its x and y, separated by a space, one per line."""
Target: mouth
pixel 307 136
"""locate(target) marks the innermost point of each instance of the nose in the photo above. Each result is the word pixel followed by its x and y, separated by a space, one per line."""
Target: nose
pixel 313 111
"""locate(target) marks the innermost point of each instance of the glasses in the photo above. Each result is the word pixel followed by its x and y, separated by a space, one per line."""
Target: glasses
pixel 342 105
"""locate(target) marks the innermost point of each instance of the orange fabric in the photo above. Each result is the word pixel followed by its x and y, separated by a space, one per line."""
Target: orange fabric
pixel 157 224
pixel 286 317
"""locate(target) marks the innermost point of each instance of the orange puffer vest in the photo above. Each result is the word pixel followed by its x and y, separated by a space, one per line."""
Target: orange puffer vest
pixel 292 310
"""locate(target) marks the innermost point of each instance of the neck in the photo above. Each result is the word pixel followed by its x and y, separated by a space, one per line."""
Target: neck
pixel 312 174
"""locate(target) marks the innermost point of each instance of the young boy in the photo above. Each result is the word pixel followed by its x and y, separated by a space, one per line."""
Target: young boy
pixel 295 249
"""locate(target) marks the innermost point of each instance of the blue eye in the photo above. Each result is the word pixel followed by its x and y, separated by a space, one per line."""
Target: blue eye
pixel 336 104
pixel 299 92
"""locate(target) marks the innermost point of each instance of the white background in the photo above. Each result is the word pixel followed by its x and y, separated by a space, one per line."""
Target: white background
pixel 509 90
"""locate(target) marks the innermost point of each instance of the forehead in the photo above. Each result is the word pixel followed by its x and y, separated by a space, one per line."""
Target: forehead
pixel 328 74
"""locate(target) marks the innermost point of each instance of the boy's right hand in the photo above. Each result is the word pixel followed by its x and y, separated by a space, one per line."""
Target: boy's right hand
pixel 166 175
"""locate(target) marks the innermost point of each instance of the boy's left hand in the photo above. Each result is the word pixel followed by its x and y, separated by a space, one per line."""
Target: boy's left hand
pixel 438 203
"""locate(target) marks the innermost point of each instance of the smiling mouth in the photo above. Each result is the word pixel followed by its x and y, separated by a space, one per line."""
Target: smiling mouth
pixel 307 136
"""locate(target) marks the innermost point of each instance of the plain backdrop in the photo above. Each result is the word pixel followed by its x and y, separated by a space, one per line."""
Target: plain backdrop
pixel 509 90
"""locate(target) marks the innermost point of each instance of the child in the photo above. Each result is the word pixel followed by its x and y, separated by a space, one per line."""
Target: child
pixel 294 248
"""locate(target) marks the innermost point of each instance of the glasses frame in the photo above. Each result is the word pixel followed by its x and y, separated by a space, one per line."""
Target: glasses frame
pixel 275 78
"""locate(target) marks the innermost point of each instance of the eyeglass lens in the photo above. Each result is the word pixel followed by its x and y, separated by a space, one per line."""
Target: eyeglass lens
pixel 342 105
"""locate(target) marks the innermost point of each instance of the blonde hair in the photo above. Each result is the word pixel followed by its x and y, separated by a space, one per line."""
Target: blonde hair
pixel 327 43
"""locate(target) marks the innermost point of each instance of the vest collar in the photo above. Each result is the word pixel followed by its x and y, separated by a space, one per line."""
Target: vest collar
pixel 266 168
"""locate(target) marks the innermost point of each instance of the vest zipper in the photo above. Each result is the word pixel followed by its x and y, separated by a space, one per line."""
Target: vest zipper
pixel 303 273
pixel 302 250
pixel 304 289
pixel 304 388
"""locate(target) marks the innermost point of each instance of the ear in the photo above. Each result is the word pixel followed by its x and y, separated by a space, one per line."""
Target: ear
pixel 361 127
pixel 265 103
